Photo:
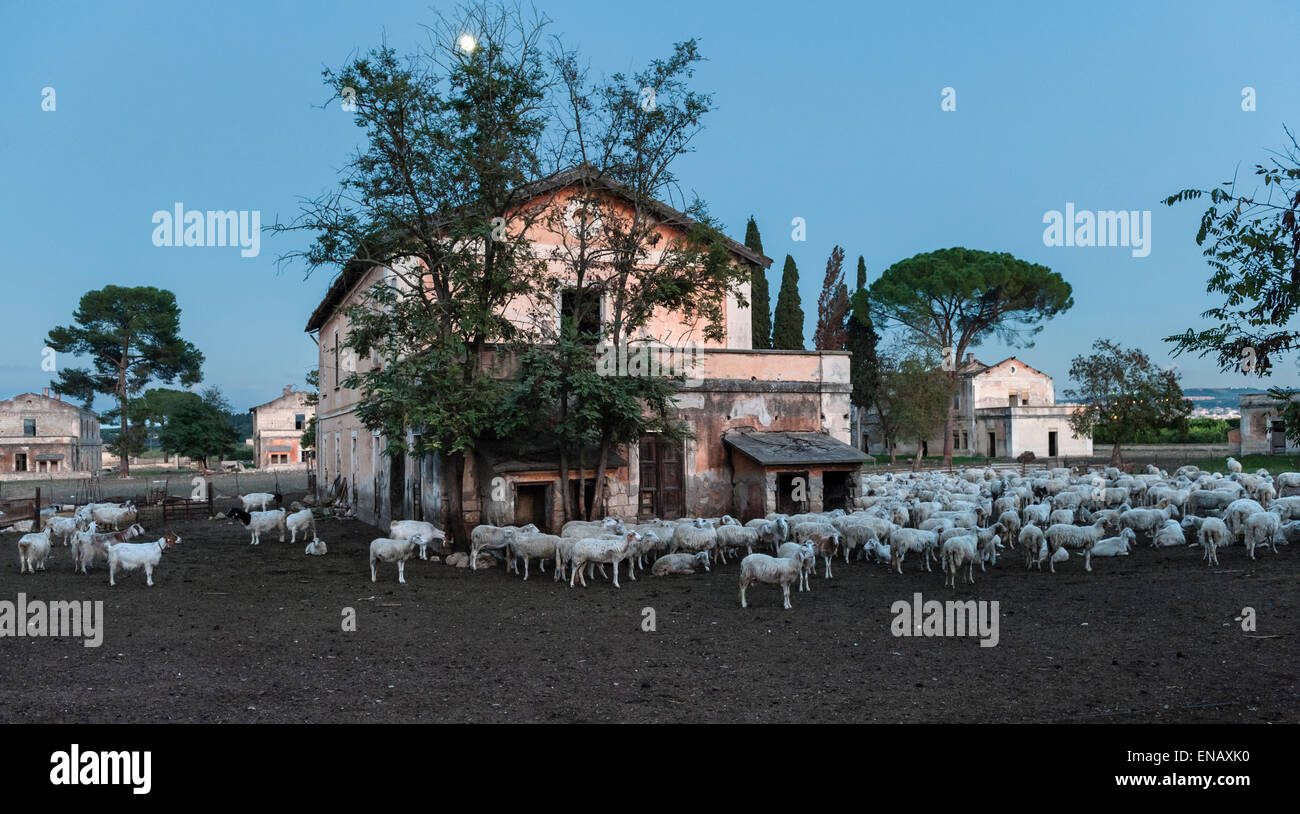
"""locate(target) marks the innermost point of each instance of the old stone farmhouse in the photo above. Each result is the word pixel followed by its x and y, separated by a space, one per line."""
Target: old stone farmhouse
pixel 1000 411
pixel 41 435
pixel 761 420
pixel 278 426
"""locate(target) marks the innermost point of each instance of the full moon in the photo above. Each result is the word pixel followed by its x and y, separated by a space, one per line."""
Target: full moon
pixel 467 42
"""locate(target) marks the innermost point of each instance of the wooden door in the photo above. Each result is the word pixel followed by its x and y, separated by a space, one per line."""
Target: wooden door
pixel 663 478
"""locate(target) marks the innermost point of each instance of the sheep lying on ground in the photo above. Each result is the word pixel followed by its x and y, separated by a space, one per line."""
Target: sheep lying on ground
pixel 1170 533
pixel 1121 545
pixel 33 550
pixel 680 564
pixel 783 571
pixel 316 548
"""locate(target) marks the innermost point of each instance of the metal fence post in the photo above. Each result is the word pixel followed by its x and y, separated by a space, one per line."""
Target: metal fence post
pixel 211 513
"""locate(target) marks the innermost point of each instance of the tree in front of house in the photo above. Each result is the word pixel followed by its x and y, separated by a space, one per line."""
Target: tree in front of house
pixel 132 337
pixel 912 398
pixel 1250 236
pixel 155 407
pixel 787 324
pixel 1124 394
pixel 954 299
pixel 833 306
pixel 760 302
pixel 200 428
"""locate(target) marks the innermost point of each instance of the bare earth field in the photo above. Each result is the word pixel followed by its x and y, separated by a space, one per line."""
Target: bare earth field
pixel 233 633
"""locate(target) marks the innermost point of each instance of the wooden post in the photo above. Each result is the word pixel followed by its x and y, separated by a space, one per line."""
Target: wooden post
pixel 164 510
pixel 211 513
pixel 36 519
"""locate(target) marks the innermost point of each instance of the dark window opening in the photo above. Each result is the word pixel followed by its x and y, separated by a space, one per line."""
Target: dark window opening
pixel 588 320
pixel 532 505
pixel 792 492
pixel 1051 445
pixel 835 491
pixel 300 422
pixel 29 426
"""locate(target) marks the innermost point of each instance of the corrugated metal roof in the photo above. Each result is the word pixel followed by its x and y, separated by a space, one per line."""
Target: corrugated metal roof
pixel 776 447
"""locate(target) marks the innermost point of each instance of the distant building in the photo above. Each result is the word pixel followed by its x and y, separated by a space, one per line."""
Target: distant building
pixel 278 426
pixel 1000 411
pixel 1262 431
pixel 42 435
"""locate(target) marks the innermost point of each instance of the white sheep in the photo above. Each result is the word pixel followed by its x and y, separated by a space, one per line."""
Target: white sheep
pixel 734 537
pixel 805 554
pixel 130 556
pixel 33 550
pixel 680 564
pixel 1214 533
pixel 316 548
pixel 258 522
pixel 90 546
pixel 489 538
pixel 114 517
pixel 302 521
pixel 905 540
pixel 1031 542
pixel 540 547
pixel 386 549
pixel 260 500
pixel 1121 545
pixel 1169 534
pixel 769 570
pixel 62 528
pixel 1061 535
pixel 427 532
pixel 1234 466
pixel 694 537
pixel 612 550
pixel 958 551
pixel 1262 529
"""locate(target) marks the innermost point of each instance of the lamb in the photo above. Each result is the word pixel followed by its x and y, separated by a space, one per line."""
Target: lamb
pixel 260 500
pixel 1262 529
pixel 300 522
pixel 386 549
pixel 428 533
pixel 1234 466
pixel 130 556
pixel 1084 537
pixel 680 564
pixel 1213 533
pixel 258 522
pixel 316 548
pixel 540 547
pixel 905 540
pixel 825 544
pixel 33 550
pixel 1121 545
pixel 781 571
pixel 958 551
pixel 611 550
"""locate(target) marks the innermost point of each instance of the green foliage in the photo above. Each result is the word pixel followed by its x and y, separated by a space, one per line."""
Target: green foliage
pixel 787 326
pixel 1251 240
pixel 864 366
pixel 761 302
pixel 1190 431
pixel 1123 394
pixel 200 428
pixel 960 297
pixel 132 337
pixel 912 396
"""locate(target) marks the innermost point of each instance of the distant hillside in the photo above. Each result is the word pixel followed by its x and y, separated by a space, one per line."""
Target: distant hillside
pixel 1211 397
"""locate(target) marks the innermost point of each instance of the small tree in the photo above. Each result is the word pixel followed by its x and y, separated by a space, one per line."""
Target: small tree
pixel 787 326
pixel 1121 391
pixel 913 398
pixel 201 428
pixel 864 366
pixel 156 406
pixel 132 336
pixel 833 306
pixel 760 301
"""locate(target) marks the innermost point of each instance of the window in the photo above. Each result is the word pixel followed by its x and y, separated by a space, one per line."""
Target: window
pixel 29 426
pixel 336 359
pixel 956 440
pixel 956 402
pixel 300 421
pixel 589 318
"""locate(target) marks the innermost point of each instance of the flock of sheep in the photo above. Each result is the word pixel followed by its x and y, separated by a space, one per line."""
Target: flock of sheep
pixel 957 521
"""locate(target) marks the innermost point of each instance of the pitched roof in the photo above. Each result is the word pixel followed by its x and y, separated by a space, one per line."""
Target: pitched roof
pixel 787 447
pixel 354 271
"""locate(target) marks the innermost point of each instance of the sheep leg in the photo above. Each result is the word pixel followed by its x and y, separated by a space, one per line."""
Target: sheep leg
pixel 401 571
pixel 742 593
pixel 785 594
pixel 525 568
pixel 616 585
pixel 372 570
pixel 148 575
pixel 112 573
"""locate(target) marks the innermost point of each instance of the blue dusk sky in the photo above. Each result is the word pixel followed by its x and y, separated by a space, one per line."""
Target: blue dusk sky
pixel 829 112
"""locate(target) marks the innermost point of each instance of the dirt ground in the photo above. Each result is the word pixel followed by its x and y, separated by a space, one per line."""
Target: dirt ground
pixel 233 633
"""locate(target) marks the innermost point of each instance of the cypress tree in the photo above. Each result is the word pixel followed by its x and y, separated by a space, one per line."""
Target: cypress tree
pixel 787 327
pixel 760 301
pixel 864 368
